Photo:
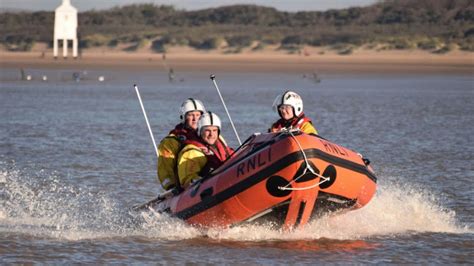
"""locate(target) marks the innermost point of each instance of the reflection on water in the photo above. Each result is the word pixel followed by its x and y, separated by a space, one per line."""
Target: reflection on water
pixel 303 245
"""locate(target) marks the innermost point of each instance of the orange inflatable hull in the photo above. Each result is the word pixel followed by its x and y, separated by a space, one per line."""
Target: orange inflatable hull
pixel 268 180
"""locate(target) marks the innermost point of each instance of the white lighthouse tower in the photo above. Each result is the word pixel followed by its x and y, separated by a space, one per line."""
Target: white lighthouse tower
pixel 65 28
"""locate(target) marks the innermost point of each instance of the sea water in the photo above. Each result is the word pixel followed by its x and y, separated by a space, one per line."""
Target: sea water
pixel 76 155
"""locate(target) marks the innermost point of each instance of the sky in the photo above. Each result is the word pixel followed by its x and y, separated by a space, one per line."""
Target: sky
pixel 284 5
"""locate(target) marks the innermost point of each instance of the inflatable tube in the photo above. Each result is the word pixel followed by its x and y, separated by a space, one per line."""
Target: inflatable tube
pixel 285 179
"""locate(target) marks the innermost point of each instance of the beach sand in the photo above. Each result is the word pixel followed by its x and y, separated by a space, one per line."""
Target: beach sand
pixel 313 60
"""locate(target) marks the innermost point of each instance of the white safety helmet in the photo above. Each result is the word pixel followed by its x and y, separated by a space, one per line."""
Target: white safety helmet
pixel 191 104
pixel 289 98
pixel 208 119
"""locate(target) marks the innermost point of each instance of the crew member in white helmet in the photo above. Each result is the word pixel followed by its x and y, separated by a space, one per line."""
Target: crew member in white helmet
pixel 171 145
pixel 199 157
pixel 289 106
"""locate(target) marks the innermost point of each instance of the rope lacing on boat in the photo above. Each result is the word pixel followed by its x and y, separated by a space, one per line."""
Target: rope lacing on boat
pixel 307 168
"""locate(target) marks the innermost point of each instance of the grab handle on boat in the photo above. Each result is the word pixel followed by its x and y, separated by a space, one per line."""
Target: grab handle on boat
pixel 206 193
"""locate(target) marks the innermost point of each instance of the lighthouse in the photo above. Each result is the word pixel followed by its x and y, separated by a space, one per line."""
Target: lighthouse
pixel 65 28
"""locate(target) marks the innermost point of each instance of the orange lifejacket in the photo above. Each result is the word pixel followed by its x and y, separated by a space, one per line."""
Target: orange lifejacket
pixel 295 122
pixel 215 154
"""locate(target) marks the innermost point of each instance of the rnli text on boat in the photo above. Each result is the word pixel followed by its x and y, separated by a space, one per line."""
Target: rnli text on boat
pixel 255 162
pixel 333 148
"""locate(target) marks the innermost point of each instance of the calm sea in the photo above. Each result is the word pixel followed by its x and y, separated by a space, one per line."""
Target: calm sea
pixel 75 156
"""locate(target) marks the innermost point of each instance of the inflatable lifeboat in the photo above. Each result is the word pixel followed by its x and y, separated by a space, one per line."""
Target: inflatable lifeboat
pixel 284 179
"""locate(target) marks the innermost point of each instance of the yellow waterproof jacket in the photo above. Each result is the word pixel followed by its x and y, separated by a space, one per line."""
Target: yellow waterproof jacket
pixel 168 150
pixel 193 159
pixel 308 128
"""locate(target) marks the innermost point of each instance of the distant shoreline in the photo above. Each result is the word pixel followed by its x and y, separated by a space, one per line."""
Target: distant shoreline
pixel 185 59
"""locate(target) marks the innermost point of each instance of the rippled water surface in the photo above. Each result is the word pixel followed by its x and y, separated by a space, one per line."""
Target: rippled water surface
pixel 74 156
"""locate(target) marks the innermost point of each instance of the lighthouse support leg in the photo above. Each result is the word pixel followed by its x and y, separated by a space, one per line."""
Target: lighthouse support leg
pixel 74 48
pixel 65 48
pixel 55 48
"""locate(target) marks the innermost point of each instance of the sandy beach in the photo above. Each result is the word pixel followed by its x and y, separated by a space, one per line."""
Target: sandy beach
pixel 316 60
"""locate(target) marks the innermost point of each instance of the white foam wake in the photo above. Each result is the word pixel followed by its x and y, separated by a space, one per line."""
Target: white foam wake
pixel 44 206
